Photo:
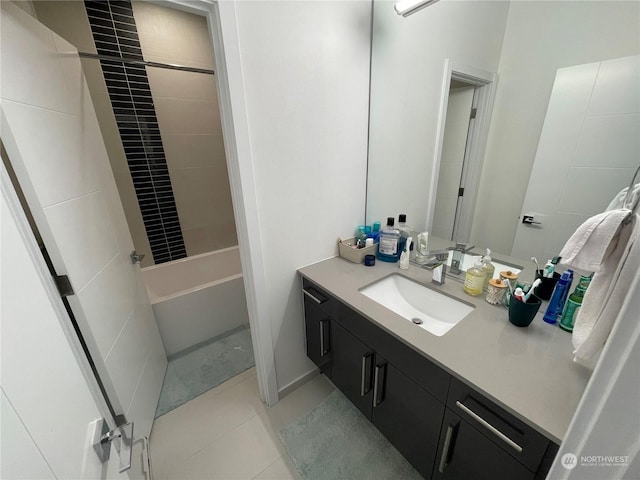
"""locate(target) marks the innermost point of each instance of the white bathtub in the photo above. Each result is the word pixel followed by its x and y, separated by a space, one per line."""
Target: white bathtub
pixel 197 298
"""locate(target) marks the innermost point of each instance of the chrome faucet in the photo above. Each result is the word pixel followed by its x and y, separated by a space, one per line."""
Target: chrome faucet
pixel 438 266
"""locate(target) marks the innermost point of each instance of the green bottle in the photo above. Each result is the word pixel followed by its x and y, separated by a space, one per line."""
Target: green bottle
pixel 573 304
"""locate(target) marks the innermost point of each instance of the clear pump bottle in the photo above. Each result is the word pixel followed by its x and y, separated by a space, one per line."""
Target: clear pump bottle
pixel 474 279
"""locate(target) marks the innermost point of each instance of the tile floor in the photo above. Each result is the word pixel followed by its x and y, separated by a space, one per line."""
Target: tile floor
pixel 228 433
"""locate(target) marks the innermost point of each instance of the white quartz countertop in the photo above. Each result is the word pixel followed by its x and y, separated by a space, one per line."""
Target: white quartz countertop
pixel 528 371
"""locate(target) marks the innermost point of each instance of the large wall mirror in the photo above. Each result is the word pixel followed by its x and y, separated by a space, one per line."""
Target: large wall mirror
pixel 499 60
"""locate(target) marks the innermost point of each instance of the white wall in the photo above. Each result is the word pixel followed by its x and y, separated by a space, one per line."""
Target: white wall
pixel 408 68
pixel 540 38
pixel 306 69
pixel 590 141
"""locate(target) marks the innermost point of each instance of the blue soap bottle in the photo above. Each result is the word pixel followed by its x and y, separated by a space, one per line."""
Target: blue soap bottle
pixel 559 297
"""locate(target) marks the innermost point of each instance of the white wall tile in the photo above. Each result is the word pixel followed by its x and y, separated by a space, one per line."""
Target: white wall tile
pixel 611 140
pixel 30 70
pixel 589 190
pixel 85 252
pixel 559 137
pixel 125 361
pixel 20 456
pixel 145 399
pixel 36 130
pixel 110 311
pixel 616 89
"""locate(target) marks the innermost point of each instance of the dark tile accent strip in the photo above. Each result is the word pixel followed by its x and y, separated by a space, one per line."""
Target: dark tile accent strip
pixel 115 33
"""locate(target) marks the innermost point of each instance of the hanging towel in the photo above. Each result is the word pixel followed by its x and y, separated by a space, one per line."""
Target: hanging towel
pixel 617 258
pixel 618 200
pixel 587 247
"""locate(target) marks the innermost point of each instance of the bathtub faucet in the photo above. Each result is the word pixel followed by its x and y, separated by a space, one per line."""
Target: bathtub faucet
pixel 136 257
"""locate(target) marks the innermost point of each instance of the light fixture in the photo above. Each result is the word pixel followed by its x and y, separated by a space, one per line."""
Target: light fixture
pixel 409 7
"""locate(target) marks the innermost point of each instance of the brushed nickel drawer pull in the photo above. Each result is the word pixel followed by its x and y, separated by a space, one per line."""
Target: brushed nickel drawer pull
pixel 365 387
pixel 312 297
pixel 489 427
pixel 445 449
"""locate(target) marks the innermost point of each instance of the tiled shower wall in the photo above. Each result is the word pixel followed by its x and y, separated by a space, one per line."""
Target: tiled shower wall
pixel 187 114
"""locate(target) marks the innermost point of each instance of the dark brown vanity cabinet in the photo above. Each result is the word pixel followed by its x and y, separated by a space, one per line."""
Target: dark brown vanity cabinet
pixel 443 428
pixel 481 440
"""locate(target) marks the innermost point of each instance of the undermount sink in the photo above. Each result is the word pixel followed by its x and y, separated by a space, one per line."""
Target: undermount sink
pixel 431 310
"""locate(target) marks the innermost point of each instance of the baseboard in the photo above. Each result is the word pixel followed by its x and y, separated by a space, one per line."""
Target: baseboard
pixel 297 383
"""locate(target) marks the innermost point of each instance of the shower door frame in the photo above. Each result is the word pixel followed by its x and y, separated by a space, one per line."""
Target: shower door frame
pixel 223 31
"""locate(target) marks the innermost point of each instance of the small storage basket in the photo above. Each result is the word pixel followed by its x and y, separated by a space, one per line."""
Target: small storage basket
pixel 355 255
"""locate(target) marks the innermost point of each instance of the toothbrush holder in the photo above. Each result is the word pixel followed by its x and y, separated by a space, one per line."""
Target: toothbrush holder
pixel 522 314
pixel 545 289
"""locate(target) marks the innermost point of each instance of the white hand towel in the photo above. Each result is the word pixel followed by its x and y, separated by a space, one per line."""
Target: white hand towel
pixel 604 297
pixel 587 246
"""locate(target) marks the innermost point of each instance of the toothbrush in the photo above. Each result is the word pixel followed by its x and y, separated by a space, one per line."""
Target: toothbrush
pixel 506 280
pixel 534 259
pixel 533 287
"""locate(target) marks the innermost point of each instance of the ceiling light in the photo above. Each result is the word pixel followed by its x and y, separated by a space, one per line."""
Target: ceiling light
pixel 409 7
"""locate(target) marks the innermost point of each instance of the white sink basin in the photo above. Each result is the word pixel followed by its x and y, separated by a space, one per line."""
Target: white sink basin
pixel 433 311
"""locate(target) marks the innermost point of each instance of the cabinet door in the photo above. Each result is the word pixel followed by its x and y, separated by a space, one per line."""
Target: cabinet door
pixel 317 329
pixel 352 368
pixel 407 415
pixel 465 453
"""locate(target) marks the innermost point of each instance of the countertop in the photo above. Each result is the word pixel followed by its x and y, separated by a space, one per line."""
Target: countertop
pixel 528 371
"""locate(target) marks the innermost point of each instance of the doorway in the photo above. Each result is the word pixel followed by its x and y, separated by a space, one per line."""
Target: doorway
pixel 465 112
pixel 130 388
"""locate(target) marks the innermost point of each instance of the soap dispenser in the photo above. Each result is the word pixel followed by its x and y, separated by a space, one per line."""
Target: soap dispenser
pixel 488 268
pixel 474 279
pixel 404 256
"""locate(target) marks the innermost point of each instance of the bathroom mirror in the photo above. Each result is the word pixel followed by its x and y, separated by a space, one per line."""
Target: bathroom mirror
pixel 512 51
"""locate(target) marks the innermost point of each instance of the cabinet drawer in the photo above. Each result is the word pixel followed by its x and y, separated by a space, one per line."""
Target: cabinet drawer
pixel 512 435
pixel 319 297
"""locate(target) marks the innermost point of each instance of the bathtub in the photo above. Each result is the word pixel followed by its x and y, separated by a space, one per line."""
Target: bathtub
pixel 197 298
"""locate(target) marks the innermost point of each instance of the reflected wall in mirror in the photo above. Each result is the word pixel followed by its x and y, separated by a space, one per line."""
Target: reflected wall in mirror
pixel 524 43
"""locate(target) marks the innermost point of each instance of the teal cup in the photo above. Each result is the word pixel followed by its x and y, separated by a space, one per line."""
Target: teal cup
pixel 522 314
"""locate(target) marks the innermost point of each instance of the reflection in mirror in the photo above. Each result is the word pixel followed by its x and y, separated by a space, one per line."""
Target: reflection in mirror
pixel 524 43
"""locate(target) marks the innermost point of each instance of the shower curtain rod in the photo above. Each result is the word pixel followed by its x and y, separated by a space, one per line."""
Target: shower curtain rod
pixel 145 63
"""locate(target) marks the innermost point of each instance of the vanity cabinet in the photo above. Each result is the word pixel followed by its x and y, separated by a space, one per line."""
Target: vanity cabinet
pixel 443 427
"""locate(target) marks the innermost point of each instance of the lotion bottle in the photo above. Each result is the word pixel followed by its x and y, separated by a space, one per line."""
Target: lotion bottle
pixel 474 279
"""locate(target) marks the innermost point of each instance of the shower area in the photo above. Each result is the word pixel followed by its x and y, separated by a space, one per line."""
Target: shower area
pixel 150 73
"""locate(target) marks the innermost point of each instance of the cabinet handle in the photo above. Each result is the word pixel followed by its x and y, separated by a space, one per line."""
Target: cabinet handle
pixel 365 386
pixel 378 390
pixel 446 449
pixel 323 349
pixel 313 297
pixel 489 427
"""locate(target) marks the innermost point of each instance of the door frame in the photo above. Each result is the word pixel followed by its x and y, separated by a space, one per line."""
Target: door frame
pixel 484 95
pixel 224 35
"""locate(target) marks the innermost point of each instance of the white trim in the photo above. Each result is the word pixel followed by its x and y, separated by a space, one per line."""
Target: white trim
pixel 298 382
pixel 223 29
pixel 28 237
pixel 486 83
